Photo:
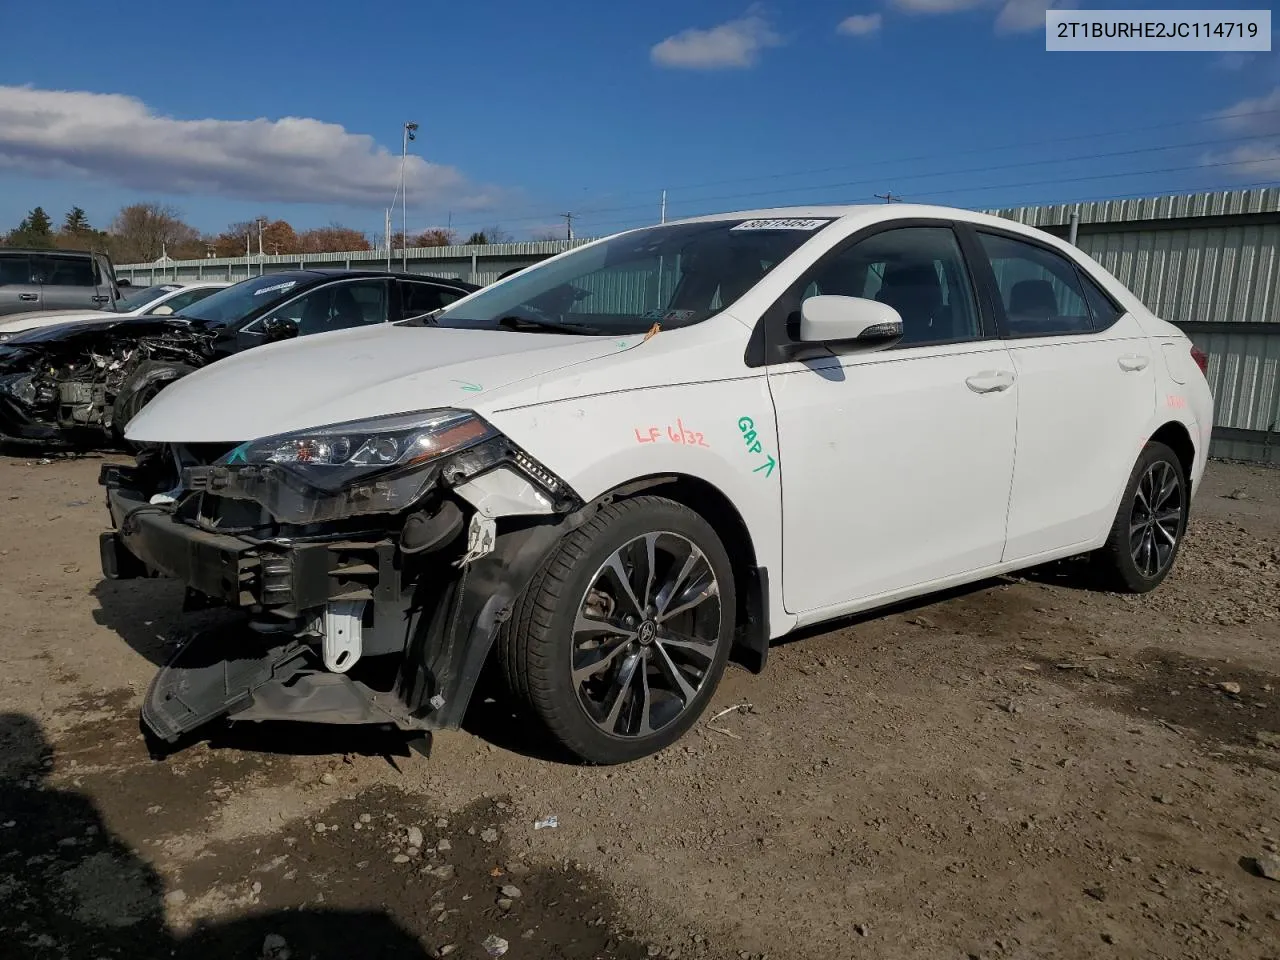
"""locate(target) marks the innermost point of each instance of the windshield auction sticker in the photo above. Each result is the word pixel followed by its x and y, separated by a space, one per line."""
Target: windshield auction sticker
pixel 792 224
pixel 1153 31
pixel 279 286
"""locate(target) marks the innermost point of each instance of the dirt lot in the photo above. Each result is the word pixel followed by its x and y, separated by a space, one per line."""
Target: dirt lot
pixel 1023 769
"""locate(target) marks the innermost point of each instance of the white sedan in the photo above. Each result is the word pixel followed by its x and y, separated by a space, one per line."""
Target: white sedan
pixel 160 300
pixel 609 470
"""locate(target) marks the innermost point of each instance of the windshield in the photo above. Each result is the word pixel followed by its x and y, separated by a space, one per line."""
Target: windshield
pixel 234 303
pixel 140 298
pixel 675 275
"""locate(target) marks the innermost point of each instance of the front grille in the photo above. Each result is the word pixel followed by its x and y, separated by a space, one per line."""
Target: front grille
pixel 201 454
pixel 230 515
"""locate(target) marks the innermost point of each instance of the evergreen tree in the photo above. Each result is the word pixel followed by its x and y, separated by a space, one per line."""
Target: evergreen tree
pixel 35 230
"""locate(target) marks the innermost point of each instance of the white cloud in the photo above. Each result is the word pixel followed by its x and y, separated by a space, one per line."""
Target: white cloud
pixel 732 45
pixel 119 139
pixel 1253 117
pixel 860 24
pixel 938 6
pixel 1015 16
pixel 1021 16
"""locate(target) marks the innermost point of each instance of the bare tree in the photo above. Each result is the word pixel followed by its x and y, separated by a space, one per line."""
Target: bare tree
pixel 141 232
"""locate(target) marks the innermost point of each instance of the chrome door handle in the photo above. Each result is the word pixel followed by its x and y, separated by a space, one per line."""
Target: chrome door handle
pixel 1132 362
pixel 990 381
pixel 28 296
pixel 99 299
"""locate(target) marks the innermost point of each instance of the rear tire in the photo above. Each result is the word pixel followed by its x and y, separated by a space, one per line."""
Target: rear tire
pixel 619 670
pixel 1149 525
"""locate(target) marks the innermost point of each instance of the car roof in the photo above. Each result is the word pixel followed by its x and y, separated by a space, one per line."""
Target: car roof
pixel 187 283
pixel 355 272
pixel 74 253
pixel 868 213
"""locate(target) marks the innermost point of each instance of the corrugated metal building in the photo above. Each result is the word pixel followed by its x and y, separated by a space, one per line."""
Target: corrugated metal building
pixel 1211 264
pixel 1207 262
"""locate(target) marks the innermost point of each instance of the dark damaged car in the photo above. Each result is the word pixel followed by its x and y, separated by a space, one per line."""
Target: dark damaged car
pixel 79 384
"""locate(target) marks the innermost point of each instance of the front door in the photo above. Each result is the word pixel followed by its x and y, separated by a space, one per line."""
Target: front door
pixel 896 465
pixel 18 293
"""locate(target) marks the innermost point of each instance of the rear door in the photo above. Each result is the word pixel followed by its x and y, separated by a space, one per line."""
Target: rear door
pixel 17 291
pixel 1086 394
pixel 70 282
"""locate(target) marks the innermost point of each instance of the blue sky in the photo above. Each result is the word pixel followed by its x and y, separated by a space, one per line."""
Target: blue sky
pixel 528 110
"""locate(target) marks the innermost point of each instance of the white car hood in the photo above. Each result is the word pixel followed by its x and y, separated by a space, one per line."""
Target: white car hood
pixel 15 322
pixel 353 374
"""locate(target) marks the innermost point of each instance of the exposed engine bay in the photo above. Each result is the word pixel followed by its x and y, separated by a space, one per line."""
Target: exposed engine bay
pixel 79 385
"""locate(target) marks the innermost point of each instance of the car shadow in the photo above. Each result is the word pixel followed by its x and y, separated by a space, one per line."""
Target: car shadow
pixel 493 716
pixel 84 892
pixel 904 606
pixel 147 614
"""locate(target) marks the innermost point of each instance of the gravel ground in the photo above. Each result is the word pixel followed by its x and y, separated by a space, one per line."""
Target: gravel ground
pixel 1020 769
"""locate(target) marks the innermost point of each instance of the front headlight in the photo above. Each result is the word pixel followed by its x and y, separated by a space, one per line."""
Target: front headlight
pixel 381 465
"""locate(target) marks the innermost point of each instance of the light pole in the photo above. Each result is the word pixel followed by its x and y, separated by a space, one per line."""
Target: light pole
pixel 410 132
pixel 261 222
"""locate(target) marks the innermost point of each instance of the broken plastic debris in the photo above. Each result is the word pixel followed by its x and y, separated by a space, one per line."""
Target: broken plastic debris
pixel 494 945
pixel 547 823
pixel 436 702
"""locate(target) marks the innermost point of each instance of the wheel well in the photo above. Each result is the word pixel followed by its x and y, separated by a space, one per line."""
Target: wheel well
pixel 1176 437
pixel 719 511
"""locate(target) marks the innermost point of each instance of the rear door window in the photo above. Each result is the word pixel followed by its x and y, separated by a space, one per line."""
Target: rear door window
pixel 1039 289
pixel 1104 310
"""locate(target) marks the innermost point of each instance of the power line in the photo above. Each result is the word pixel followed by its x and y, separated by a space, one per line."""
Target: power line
pixel 998 148
pixel 1077 158
pixel 622 223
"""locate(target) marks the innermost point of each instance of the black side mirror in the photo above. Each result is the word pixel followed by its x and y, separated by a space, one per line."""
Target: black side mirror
pixel 279 328
pixel 123 283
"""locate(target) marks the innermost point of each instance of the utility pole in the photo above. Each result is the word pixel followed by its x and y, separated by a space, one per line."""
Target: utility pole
pixel 568 225
pixel 410 131
pixel 261 222
pixel 888 197
pixel 662 210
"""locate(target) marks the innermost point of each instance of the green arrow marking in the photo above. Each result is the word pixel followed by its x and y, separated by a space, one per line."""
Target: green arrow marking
pixel 767 467
pixel 466 385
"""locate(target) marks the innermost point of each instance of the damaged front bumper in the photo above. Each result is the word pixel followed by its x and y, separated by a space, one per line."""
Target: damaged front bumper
pixel 387 621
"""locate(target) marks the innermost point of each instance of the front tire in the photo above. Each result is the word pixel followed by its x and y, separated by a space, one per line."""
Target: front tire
pixel 141 388
pixel 619 642
pixel 1149 526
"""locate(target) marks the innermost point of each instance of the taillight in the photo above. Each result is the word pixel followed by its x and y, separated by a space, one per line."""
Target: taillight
pixel 1202 360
